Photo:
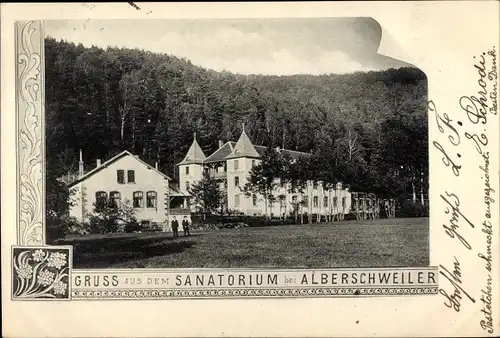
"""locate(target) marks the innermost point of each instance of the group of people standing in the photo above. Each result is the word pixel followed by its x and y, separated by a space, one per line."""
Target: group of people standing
pixel 185 227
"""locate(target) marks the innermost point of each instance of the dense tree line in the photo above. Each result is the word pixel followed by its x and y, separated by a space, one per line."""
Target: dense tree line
pixel 369 129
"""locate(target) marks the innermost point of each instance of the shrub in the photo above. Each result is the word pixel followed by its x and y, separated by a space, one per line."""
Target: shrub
pixel 132 226
pixel 56 229
pixel 59 227
pixel 407 208
pixel 108 217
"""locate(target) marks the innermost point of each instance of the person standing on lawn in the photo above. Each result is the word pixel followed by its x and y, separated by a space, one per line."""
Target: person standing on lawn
pixel 175 227
pixel 185 226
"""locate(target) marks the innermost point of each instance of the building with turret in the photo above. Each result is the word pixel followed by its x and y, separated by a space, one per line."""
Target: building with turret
pixel 231 164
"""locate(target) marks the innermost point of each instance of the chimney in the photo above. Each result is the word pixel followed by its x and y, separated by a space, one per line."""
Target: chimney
pixel 220 144
pixel 98 162
pixel 80 165
pixel 156 165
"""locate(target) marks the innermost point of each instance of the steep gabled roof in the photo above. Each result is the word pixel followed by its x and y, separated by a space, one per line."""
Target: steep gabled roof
pixel 243 148
pixel 113 160
pixel 221 153
pixel 194 155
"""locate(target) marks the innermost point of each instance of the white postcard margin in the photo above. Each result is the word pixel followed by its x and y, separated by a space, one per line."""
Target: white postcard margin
pixel 442 39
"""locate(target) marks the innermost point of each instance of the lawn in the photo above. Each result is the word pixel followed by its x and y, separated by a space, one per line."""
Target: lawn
pixel 378 243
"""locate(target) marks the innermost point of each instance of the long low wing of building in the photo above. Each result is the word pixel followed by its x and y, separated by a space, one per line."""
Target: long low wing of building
pixel 232 162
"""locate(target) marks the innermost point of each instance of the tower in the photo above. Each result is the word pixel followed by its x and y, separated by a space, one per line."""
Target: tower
pixel 191 167
pixel 239 164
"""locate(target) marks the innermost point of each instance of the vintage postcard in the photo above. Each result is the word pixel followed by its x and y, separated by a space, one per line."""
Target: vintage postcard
pixel 250 169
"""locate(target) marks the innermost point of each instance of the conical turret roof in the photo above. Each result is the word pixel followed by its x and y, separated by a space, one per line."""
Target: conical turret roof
pixel 194 155
pixel 244 147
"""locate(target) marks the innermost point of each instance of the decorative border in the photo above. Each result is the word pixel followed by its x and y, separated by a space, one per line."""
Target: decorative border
pixel 41 273
pixel 30 133
pixel 253 293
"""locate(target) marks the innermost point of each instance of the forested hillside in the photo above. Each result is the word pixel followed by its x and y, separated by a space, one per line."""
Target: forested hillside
pixel 371 126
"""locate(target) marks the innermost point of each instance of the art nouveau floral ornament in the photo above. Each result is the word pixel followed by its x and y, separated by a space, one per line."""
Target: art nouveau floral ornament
pixel 41 273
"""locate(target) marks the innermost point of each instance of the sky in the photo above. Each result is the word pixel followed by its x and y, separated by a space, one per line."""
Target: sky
pixel 247 46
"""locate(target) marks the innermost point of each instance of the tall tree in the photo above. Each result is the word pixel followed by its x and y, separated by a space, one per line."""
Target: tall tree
pixel 264 177
pixel 206 195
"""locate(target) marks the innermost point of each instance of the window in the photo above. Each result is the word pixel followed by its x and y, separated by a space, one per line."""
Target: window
pixel 253 163
pixel 120 176
pixel 282 183
pixel 237 200
pixel 294 199
pixel 114 196
pixel 236 181
pixel 225 184
pixel 315 201
pixel 236 164
pixel 254 200
pixel 151 199
pixel 130 176
pixel 138 199
pixel 325 202
pixel 187 170
pixel 282 200
pixel 335 202
pixel 100 198
pixel 343 202
pixel 187 186
pixel 305 201
pixel 315 185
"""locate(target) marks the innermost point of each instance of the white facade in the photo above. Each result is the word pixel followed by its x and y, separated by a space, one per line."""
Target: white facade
pixel 232 163
pixel 127 179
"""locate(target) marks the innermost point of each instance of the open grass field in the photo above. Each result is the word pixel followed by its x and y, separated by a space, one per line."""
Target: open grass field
pixel 378 243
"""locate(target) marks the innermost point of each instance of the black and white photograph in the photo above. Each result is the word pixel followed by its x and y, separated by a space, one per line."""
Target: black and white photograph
pixel 234 143
pixel 250 169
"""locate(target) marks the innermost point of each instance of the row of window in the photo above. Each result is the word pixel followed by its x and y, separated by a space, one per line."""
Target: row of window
pixel 120 176
pixel 236 166
pixel 305 201
pixel 138 198
pixel 282 183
